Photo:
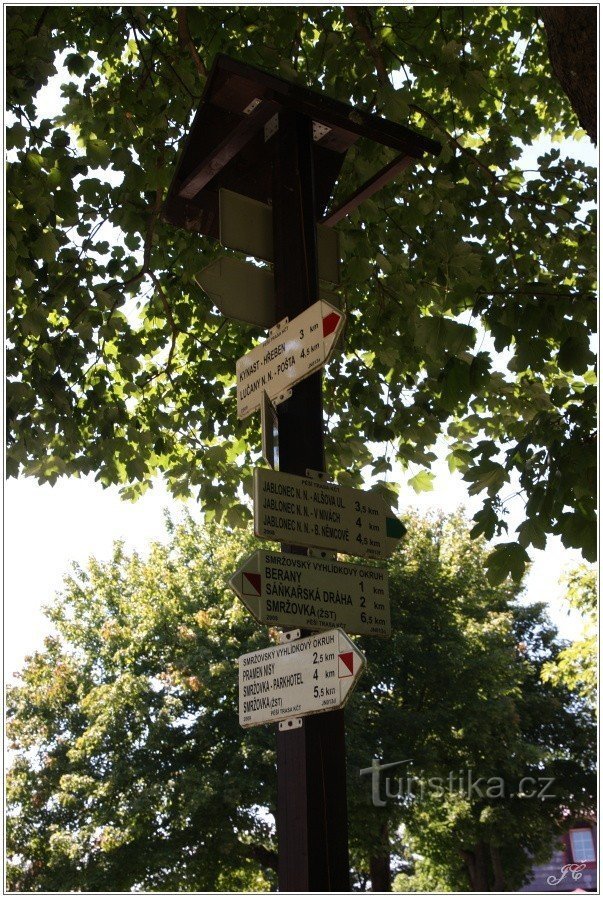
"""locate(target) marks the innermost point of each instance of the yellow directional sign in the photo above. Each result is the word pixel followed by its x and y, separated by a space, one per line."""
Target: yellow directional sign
pixel 304 511
pixel 291 353
pixel 304 677
pixel 314 593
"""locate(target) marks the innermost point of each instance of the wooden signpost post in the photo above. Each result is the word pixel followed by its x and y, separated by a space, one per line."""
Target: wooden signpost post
pixel 312 822
pixel 276 149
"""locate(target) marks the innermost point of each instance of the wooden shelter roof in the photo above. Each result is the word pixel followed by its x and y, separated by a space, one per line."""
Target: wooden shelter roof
pixel 226 145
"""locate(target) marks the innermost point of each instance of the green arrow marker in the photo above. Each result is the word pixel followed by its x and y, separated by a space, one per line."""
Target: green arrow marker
pixel 394 528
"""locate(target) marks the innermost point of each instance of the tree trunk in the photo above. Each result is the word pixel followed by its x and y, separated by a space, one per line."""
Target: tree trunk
pixel 572 40
pixel 477 867
pixel 379 868
pixel 497 868
pixel 380 873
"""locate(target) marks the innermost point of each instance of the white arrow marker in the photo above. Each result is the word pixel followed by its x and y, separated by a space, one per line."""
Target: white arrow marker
pixel 295 679
pixel 291 353
pixel 314 593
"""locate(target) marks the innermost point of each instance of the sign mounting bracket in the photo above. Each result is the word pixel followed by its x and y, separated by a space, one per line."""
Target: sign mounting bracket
pixel 322 553
pixel 317 475
pixel 293 723
pixel 289 636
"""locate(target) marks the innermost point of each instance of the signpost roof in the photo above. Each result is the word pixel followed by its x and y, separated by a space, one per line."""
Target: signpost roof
pixel 226 147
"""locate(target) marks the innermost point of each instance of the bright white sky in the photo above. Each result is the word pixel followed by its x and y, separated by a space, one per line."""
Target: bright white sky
pixel 48 527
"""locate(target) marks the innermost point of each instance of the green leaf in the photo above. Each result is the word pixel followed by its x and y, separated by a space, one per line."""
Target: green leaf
pixel 16 136
pixel 506 559
pixel 486 522
pixel 60 139
pixel 530 532
pixel 437 334
pixel 422 482
pixel 237 515
pixel 456 386
pixel 45 357
pixel 129 363
pixel 104 298
pixel 579 532
pixel 488 475
pixel 98 151
pixel 78 64
pixel 359 269
pixel 381 466
pixel 574 353
pixel 47 247
pixel 34 322
pixel 27 278
pixel 459 459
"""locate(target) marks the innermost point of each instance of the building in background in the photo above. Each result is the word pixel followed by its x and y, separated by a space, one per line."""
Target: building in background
pixel 573 865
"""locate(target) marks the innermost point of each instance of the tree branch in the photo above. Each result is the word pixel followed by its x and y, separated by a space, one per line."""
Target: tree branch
pixel 536 290
pixel 185 40
pixel 366 36
pixel 464 150
pixel 296 45
pixel 148 240
pixel 148 74
pixel 148 243
pixel 264 856
pixel 40 21
pixel 170 317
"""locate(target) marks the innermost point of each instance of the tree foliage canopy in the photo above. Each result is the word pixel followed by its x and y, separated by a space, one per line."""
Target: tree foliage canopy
pixel 468 283
pixel 576 665
pixel 130 769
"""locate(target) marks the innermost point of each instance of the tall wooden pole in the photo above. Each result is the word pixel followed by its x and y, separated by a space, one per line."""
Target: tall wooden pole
pixel 312 806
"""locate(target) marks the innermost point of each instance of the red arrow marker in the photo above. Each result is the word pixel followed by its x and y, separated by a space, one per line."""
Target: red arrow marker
pixel 346 664
pixel 254 581
pixel 329 323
